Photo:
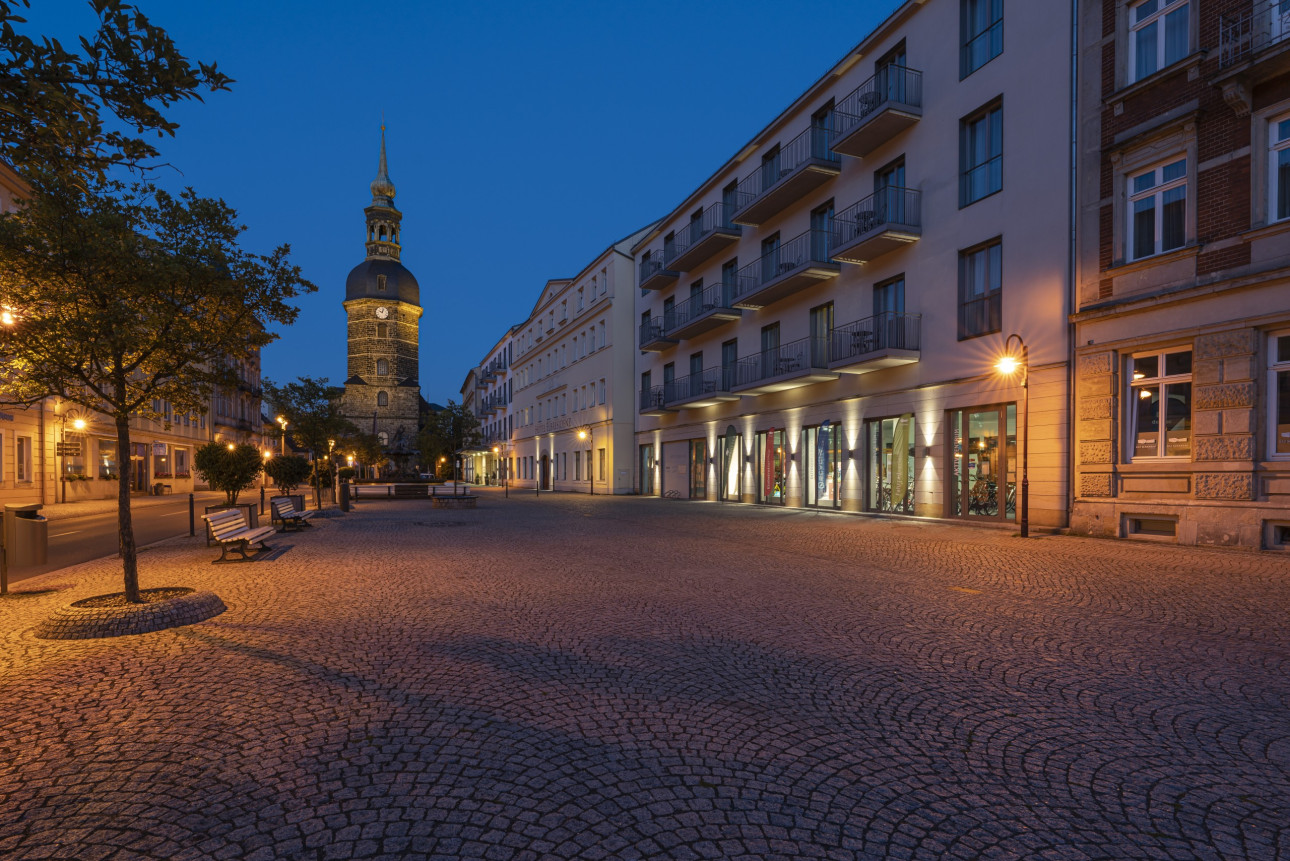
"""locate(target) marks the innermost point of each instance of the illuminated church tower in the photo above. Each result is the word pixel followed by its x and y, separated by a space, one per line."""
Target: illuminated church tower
pixel 383 306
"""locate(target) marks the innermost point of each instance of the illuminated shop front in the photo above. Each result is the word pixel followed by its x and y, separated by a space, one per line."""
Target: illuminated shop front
pixel 771 467
pixel 892 473
pixel 822 456
pixel 982 483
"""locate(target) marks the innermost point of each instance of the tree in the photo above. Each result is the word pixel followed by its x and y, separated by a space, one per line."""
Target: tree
pixel 230 469
pixel 364 447
pixel 52 100
pixel 312 410
pixel 447 432
pixel 287 472
pixel 117 298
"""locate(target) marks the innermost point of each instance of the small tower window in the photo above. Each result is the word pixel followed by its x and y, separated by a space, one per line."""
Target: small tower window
pixel 380 234
pixel 382 330
pixel 382 367
pixel 380 283
pixel 382 399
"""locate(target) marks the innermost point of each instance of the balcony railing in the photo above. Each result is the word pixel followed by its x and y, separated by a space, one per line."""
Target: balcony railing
pixel 878 110
pixel 653 338
pixel 874 343
pixel 701 390
pixel 1248 33
pixel 654 274
pixel 788 366
pixel 699 314
pixel 804 163
pixel 888 219
pixel 653 403
pixel 702 238
pixel 799 263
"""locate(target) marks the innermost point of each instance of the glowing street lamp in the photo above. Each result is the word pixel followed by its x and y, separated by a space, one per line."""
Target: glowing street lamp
pixel 1008 365
pixel 282 421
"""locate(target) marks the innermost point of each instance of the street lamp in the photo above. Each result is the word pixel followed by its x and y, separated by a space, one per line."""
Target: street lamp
pixel 331 444
pixel 282 420
pixel 589 433
pixel 266 454
pixel 496 451
pixel 1009 365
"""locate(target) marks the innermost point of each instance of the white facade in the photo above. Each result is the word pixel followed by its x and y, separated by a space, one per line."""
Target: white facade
pixel 946 170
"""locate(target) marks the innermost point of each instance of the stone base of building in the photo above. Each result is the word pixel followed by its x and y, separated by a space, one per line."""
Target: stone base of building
pixel 1246 527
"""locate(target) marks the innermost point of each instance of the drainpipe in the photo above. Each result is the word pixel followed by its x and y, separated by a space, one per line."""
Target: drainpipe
pixel 1072 285
pixel 43 454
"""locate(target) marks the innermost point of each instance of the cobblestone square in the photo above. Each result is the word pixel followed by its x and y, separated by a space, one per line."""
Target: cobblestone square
pixel 579 677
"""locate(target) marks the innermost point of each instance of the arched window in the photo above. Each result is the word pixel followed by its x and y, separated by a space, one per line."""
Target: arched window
pixel 382 330
pixel 382 399
pixel 382 367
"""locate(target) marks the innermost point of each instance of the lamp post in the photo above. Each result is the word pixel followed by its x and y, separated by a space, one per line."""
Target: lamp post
pixel 589 433
pixel 282 420
pixel 1008 365
pixel 497 457
pixel 265 455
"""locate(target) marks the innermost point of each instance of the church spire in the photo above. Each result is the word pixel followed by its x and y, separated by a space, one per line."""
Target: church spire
pixel 382 216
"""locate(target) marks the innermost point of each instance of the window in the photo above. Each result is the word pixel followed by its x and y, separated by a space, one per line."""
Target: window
pixel 1160 404
pixel 604 341
pixel 380 283
pixel 382 330
pixel 107 462
pixel 889 297
pixel 1158 36
pixel 577 465
pixel 1157 209
pixel 981 154
pixel 1279 169
pixel 382 399
pixel 1279 388
pixel 602 390
pixel 579 298
pixel 23 458
pixel 604 281
pixel 382 367
pixel 600 454
pixel 981 290
pixel 982 29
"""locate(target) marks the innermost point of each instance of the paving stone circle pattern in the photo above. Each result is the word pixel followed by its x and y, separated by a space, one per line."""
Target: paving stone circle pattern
pixel 580 677
pixel 89 619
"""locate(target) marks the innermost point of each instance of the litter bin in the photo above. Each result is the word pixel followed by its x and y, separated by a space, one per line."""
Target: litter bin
pixel 26 535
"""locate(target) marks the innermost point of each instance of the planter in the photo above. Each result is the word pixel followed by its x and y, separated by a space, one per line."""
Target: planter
pixel 111 616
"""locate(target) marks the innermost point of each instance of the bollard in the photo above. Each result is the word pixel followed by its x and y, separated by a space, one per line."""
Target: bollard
pixel 192 516
pixel 261 498
pixel 344 496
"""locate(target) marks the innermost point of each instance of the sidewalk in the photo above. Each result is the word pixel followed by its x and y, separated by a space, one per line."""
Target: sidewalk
pixel 86 507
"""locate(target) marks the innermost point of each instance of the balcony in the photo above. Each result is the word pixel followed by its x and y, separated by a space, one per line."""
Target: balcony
pixel 1250 34
pixel 702 313
pixel 654 275
pixel 652 402
pixel 801 262
pixel 788 366
pixel 878 110
pixel 875 343
pixel 702 238
pixel 490 375
pixel 888 219
pixel 652 336
pixel 704 389
pixel 797 168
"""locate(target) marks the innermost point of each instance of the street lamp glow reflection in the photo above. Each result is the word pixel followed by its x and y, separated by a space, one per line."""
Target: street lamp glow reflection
pixel 1008 365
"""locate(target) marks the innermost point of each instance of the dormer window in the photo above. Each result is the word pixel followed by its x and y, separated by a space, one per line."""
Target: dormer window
pixel 380 283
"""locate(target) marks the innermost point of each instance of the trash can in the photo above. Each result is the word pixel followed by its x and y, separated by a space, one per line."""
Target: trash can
pixel 26 535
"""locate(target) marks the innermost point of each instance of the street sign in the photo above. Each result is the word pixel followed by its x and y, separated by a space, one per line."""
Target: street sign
pixel 68 449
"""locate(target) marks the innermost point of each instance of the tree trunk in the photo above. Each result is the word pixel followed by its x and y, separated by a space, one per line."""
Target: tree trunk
pixel 125 526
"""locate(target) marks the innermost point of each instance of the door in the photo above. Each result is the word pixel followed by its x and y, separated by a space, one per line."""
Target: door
pixel 888 314
pixel 647 470
pixel 823 474
pixel 770 169
pixel 731 447
pixel 769 350
pixel 891 74
pixel 139 467
pixel 891 478
pixel 769 258
pixel 770 467
pixel 889 200
pixel 822 233
pixel 546 472
pixel 821 330
pixel 696 375
pixel 699 469
pixel 984 463
pixel 729 356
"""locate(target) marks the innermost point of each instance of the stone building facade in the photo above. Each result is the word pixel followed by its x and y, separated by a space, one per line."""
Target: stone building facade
pixel 1182 322
pixel 383 307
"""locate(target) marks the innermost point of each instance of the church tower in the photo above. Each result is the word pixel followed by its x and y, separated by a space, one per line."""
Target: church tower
pixel 383 306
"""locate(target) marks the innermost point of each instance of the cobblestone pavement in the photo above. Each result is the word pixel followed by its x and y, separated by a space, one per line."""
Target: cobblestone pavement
pixel 592 678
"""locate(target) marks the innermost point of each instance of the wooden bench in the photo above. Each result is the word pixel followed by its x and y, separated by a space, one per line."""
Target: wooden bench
pixel 285 511
pixel 229 528
pixel 411 491
pixel 453 501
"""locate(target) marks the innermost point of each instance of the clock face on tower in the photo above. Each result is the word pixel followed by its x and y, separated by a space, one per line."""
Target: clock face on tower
pixel 382 312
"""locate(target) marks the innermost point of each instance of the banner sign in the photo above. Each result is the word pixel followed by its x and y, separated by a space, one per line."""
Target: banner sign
pixel 159 449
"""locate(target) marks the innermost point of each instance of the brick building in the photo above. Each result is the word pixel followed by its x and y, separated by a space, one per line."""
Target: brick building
pixel 1182 319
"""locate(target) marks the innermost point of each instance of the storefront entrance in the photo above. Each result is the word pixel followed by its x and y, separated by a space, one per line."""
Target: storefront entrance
pixel 546 472
pixel 823 459
pixel 731 469
pixel 891 465
pixel 139 467
pixel 770 467
pixel 698 469
pixel 981 481
pixel 647 470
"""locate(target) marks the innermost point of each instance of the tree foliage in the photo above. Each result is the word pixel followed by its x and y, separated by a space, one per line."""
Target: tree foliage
pixel 119 297
pixel 287 472
pixel 229 470
pixel 58 106
pixel 312 410
pixel 447 432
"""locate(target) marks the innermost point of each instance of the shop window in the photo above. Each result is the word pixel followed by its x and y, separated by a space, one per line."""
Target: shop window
pixel 981 482
pixel 891 464
pixel 822 474
pixel 698 469
pixel 181 463
pixel 108 459
pixel 1159 409
pixel 730 454
pixel 772 467
pixel 1279 390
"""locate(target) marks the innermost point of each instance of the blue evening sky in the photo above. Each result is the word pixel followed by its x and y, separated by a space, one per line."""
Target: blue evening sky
pixel 523 138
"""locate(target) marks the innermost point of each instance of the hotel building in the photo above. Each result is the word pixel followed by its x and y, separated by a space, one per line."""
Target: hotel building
pixel 819 322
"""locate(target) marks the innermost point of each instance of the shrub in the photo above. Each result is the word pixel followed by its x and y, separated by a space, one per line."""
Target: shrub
pixel 230 470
